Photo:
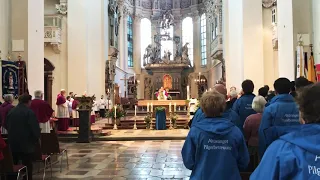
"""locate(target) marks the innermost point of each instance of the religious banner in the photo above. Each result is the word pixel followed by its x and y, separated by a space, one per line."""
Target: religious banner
pixel 318 72
pixel 10 78
pixel 300 62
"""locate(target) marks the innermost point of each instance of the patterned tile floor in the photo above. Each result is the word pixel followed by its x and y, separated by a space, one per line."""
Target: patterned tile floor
pixel 123 160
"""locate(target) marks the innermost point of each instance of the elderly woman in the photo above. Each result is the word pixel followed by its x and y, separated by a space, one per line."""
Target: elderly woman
pixel 252 123
pixel 215 148
pixel 4 109
pixel 296 154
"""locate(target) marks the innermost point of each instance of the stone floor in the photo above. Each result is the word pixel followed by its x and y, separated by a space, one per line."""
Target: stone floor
pixel 123 160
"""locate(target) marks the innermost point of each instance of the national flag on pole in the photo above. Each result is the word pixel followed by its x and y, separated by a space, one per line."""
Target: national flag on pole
pixel 311 71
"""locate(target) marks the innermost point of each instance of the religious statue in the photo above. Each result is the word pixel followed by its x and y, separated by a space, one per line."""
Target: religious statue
pixel 148 54
pixel 11 81
pixel 185 54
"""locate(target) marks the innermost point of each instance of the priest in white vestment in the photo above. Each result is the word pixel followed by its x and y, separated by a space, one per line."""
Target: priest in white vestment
pixel 62 111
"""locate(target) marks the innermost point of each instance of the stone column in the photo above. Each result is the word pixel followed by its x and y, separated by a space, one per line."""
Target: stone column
pixel 121 38
pixel 77 46
pixel 285 39
pixel 124 65
pixel 245 44
pixel 5 28
pixel 27 24
pixel 225 32
pixel 196 52
pixel 137 44
pixel 316 30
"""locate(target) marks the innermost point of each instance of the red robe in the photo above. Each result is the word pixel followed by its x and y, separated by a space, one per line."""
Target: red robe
pixel 42 109
pixel 74 104
pixel 2 146
pixel 60 100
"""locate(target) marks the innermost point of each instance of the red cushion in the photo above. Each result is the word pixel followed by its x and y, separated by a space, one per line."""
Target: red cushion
pixel 16 168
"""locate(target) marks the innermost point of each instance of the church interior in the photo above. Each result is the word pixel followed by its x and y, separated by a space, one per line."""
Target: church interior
pixel 149 62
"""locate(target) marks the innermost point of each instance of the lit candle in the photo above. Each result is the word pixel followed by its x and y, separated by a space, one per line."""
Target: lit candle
pixel 135 110
pixel 115 112
pixel 188 93
pixel 170 107
pixel 151 107
pixel 148 107
pixel 134 78
pixel 175 107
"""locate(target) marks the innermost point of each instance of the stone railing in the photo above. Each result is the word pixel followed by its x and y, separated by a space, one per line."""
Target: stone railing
pixel 52 32
pixel 216 46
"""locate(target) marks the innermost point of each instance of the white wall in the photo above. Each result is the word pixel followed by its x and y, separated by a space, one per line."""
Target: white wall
pixel 268 59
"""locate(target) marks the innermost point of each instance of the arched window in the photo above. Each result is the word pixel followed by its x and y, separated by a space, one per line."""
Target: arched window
pixel 130 42
pixel 203 40
pixel 187 36
pixel 167 45
pixel 145 29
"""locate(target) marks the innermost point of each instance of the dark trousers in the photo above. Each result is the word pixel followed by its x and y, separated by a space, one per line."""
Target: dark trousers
pixel 102 113
pixel 25 159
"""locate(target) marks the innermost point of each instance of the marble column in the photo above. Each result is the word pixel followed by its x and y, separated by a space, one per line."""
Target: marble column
pixel 5 28
pixel 316 30
pixel 245 43
pixel 77 46
pixel 121 39
pixel 137 44
pixel 27 24
pixel 95 57
pixel 196 53
pixel 286 49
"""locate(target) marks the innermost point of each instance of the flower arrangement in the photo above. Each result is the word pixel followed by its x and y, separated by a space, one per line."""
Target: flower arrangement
pixel 116 112
pixel 160 108
pixel 174 118
pixel 147 120
pixel 85 102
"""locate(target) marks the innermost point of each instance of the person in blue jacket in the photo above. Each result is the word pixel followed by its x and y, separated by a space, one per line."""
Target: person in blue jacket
pixel 296 155
pixel 228 113
pixel 215 148
pixel 243 106
pixel 282 111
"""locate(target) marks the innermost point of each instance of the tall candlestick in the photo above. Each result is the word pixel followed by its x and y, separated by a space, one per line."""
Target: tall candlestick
pixel 135 110
pixel 115 112
pixel 148 107
pixel 151 107
pixel 175 107
pixel 170 107
pixel 134 78
pixel 188 93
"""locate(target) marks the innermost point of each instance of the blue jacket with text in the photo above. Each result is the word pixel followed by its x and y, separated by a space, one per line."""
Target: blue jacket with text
pixel 243 107
pixel 282 111
pixel 228 114
pixel 215 149
pixel 294 156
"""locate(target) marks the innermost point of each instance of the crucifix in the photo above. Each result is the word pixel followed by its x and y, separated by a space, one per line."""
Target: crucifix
pixel 125 85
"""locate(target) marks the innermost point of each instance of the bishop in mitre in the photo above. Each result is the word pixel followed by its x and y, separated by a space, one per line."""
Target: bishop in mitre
pixel 162 94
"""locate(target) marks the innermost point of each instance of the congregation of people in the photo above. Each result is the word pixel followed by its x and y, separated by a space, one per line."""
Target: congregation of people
pixel 273 135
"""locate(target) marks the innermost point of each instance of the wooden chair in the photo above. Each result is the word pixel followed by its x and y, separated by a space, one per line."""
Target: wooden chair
pixel 8 168
pixel 46 159
pixel 50 145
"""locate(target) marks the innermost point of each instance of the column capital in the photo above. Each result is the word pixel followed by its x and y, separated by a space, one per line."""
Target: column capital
pixel 268 3
pixel 195 15
pixel 138 17
pixel 62 8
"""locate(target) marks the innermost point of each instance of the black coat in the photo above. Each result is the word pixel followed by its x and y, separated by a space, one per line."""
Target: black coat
pixel 23 129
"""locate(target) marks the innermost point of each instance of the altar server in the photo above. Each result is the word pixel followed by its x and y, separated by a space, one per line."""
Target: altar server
pixel 296 155
pixel 62 111
pixel 4 110
pixel 42 110
pixel 215 148
pixel 102 107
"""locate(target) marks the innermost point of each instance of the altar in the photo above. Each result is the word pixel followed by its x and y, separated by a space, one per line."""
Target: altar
pixel 178 104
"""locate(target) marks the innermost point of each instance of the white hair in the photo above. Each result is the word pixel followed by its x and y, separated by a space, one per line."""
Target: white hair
pixel 8 98
pixel 233 94
pixel 258 104
pixel 38 94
